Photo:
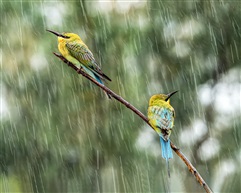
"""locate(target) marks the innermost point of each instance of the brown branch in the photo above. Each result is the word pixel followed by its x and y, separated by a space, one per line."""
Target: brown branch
pixel 191 168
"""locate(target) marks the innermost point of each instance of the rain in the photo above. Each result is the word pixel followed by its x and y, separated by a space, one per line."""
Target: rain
pixel 60 133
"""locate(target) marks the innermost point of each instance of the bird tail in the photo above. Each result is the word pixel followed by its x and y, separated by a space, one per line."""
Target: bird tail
pixel 166 152
pixel 95 76
pixel 100 81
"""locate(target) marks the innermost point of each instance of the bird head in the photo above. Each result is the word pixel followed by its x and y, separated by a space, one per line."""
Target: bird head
pixel 67 37
pixel 161 97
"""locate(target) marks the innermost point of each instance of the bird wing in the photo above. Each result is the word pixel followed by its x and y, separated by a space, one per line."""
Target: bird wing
pixel 164 119
pixel 85 56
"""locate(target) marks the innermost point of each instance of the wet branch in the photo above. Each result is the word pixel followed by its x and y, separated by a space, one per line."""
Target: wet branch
pixel 191 168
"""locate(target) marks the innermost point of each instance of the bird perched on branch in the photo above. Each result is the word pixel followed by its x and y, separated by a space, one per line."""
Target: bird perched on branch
pixel 74 50
pixel 161 117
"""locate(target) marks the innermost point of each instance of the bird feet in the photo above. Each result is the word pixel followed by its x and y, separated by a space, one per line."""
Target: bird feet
pixel 80 69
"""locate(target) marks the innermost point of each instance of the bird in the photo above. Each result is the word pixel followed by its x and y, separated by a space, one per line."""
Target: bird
pixel 161 117
pixel 75 51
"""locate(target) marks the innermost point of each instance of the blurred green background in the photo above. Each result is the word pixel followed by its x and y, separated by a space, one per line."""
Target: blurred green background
pixel 59 132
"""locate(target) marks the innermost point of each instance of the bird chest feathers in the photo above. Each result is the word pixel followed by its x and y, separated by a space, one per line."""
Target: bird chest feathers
pixel 62 48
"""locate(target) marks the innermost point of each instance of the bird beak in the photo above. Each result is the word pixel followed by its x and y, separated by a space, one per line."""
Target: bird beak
pixel 57 34
pixel 170 94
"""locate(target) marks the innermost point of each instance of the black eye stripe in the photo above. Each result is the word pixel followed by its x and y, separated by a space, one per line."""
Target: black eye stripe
pixel 63 36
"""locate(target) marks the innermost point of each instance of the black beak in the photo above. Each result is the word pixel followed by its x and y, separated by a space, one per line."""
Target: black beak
pixel 57 34
pixel 170 94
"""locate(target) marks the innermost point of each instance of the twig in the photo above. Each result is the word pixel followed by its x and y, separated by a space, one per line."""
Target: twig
pixel 191 168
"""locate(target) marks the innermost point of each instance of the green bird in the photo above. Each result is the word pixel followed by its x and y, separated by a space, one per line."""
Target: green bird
pixel 161 117
pixel 74 50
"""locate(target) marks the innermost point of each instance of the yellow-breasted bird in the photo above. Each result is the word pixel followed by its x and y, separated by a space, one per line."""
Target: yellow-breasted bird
pixel 161 117
pixel 74 50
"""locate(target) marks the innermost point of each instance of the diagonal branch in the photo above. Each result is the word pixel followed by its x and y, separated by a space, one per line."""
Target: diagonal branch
pixel 191 168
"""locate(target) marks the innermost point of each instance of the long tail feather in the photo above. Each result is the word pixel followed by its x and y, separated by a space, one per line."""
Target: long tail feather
pixel 100 81
pixel 168 168
pixel 166 152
